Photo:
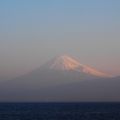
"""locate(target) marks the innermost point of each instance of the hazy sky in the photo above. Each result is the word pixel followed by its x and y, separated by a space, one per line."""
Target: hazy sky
pixel 34 31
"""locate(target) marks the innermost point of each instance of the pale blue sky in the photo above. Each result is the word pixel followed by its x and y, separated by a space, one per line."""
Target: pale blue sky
pixel 34 31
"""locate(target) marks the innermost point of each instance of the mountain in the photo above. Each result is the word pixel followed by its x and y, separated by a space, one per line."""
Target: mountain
pixel 59 70
pixel 62 79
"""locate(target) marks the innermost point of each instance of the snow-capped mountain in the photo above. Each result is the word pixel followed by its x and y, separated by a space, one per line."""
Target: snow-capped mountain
pixel 61 79
pixel 66 63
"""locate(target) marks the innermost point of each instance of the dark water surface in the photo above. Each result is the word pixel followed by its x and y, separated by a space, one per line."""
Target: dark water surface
pixel 59 111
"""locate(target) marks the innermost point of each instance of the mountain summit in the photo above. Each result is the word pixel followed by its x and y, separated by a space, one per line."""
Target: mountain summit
pixel 66 63
pixel 63 63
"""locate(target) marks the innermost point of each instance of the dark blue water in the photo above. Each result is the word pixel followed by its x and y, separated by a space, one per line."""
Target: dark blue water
pixel 59 111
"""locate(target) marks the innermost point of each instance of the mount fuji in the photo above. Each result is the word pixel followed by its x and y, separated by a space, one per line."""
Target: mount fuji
pixel 62 79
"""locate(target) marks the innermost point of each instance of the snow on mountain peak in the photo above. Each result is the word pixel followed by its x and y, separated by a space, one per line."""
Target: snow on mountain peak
pixel 67 63
pixel 64 63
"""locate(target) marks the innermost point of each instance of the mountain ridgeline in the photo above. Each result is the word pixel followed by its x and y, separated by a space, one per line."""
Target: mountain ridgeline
pixel 62 79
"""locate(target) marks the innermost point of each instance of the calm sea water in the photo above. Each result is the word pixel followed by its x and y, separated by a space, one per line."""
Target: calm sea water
pixel 59 111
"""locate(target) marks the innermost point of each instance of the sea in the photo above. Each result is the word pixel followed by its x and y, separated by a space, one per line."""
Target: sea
pixel 60 111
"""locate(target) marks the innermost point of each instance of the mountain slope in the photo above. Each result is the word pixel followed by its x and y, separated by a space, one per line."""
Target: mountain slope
pixel 99 90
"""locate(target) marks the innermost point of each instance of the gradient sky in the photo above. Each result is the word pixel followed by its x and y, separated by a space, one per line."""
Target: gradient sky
pixel 34 31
